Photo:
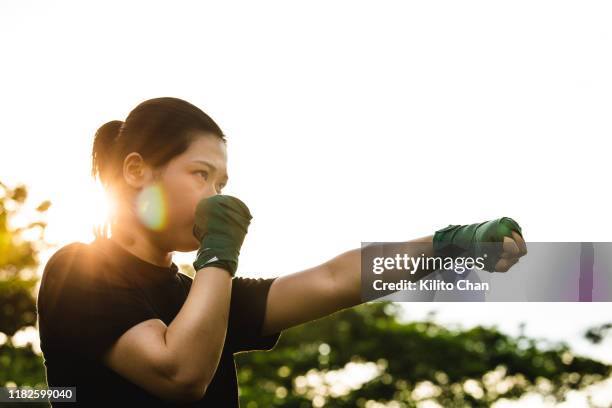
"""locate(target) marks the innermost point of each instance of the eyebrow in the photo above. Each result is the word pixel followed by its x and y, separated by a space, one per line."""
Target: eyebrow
pixel 207 163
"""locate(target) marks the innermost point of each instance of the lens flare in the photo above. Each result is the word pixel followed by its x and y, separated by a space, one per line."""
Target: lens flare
pixel 151 207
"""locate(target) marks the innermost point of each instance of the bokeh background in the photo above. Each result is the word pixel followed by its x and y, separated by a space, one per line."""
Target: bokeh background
pixel 347 121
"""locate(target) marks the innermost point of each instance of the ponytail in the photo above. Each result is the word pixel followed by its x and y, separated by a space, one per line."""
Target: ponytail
pixel 102 152
pixel 101 163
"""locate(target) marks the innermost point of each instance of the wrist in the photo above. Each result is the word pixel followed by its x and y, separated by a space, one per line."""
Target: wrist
pixel 228 265
pixel 214 270
pixel 444 244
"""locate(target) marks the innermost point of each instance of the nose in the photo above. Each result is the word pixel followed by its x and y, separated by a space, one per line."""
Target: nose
pixel 210 191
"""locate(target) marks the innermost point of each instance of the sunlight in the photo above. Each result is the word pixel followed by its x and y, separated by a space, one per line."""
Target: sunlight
pixel 100 206
pixel 76 212
pixel 336 383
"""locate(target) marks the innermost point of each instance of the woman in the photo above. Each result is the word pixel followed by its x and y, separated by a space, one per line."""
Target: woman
pixel 120 323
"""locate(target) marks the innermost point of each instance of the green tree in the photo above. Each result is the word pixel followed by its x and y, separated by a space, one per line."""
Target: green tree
pixel 454 368
pixel 18 279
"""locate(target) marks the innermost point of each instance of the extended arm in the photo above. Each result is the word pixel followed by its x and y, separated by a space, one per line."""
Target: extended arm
pixel 332 286
pixel 336 284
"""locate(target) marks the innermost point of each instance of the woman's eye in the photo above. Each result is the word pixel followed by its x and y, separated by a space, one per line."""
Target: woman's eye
pixel 205 173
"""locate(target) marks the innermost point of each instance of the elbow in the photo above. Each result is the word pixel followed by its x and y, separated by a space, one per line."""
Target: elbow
pixel 191 391
pixel 191 387
pixel 186 387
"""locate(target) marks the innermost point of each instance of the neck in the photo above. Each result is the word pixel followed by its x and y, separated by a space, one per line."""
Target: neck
pixel 135 240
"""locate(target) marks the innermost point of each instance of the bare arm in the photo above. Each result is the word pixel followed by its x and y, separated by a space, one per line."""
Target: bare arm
pixel 335 285
pixel 177 362
pixel 317 292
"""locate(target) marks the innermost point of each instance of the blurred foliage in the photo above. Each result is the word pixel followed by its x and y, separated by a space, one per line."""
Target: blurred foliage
pixel 19 249
pixel 597 334
pixel 410 362
pixel 474 367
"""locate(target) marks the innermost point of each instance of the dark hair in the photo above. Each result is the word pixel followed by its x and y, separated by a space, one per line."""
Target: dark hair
pixel 158 129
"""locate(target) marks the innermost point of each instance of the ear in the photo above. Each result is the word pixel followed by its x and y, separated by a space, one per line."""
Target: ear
pixel 136 172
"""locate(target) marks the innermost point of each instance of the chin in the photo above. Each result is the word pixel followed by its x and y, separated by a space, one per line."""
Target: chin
pixel 186 245
pixel 195 245
pixel 192 246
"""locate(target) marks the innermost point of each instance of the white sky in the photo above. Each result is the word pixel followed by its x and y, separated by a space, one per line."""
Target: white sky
pixel 347 121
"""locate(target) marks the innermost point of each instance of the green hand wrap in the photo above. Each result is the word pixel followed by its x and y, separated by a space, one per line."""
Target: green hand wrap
pixel 221 223
pixel 475 240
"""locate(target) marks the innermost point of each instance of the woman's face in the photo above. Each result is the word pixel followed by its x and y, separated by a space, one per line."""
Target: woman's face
pixel 200 172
